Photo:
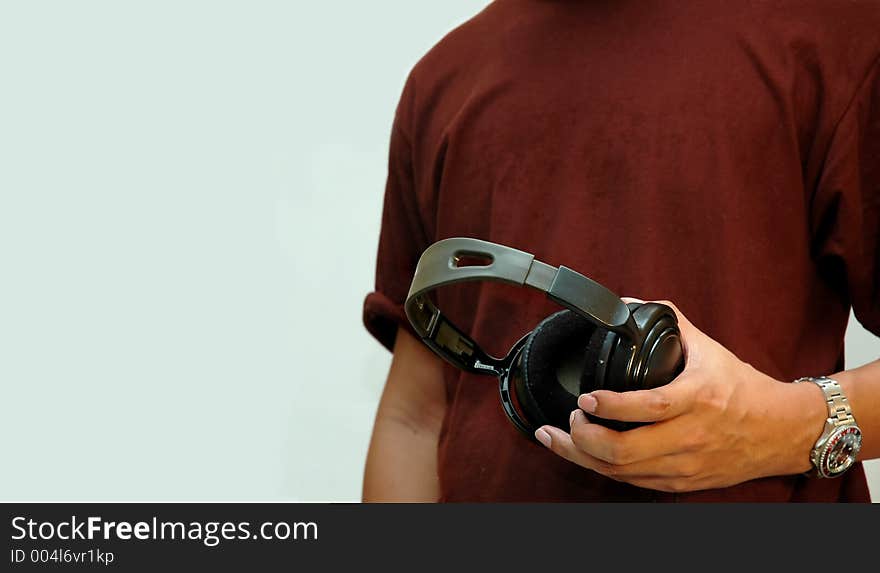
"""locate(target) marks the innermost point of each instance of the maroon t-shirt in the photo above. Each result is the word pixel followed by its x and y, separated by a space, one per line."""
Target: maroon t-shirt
pixel 722 155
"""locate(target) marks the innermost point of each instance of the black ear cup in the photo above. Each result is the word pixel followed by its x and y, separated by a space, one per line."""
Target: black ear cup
pixel 654 360
pixel 549 368
pixel 659 358
pixel 567 355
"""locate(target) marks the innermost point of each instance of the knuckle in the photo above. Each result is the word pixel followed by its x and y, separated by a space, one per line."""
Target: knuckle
pixel 679 485
pixel 690 469
pixel 619 453
pixel 659 404
pixel 696 439
pixel 562 447
pixel 607 469
pixel 579 438
pixel 708 398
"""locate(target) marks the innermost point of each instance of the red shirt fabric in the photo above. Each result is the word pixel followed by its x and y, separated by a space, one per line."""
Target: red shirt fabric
pixel 722 155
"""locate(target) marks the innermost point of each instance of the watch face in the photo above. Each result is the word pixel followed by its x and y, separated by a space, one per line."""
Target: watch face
pixel 841 450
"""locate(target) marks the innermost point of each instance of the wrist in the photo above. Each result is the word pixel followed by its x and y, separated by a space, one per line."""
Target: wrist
pixel 804 413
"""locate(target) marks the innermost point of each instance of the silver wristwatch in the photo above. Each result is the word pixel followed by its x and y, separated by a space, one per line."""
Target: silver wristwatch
pixel 837 448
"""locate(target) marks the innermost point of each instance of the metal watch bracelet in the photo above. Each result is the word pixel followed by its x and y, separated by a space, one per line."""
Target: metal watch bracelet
pixel 838 405
pixel 826 452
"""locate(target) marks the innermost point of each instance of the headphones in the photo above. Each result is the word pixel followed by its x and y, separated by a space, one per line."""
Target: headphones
pixel 597 342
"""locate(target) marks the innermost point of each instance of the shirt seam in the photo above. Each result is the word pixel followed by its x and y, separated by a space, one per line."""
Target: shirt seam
pixel 875 63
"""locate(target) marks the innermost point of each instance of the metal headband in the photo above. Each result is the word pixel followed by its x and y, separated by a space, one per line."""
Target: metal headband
pixel 439 266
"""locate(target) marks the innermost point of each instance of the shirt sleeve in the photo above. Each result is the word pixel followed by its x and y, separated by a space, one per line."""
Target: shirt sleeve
pixel 845 210
pixel 402 239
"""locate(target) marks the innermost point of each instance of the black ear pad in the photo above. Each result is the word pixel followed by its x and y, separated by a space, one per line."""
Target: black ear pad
pixel 551 364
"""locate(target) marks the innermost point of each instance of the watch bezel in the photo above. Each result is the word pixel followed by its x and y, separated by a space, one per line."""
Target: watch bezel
pixel 822 463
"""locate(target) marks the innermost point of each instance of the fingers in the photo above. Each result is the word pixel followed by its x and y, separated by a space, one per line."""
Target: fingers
pixel 631 446
pixel 662 455
pixel 562 445
pixel 655 470
pixel 654 405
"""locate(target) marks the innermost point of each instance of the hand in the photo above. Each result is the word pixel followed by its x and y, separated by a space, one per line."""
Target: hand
pixel 719 423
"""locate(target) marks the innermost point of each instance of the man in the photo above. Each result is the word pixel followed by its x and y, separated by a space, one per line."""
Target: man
pixel 721 156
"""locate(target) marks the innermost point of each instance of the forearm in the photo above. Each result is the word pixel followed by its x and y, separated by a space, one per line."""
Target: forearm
pixel 401 462
pixel 402 459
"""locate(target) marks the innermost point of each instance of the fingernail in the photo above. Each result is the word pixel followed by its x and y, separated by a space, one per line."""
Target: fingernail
pixel 571 417
pixel 587 403
pixel 543 437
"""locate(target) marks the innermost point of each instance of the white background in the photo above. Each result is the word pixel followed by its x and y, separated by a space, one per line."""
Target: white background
pixel 190 195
